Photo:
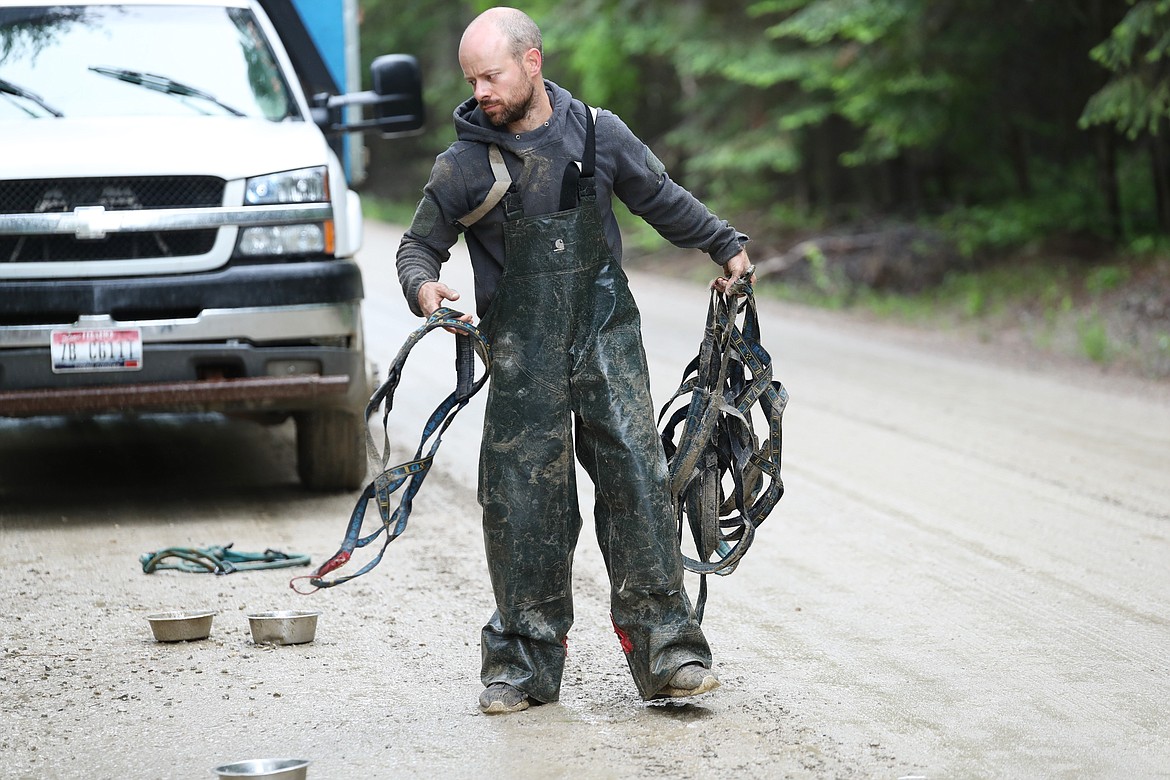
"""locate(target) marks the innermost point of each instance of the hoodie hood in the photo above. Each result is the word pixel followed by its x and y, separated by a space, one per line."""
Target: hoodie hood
pixel 471 124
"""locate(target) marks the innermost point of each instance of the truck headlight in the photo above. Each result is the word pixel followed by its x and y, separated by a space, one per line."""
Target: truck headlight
pixel 306 185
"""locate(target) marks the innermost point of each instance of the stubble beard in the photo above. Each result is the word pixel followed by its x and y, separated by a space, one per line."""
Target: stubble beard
pixel 514 112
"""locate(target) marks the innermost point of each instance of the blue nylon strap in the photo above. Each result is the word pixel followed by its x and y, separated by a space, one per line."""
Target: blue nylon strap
pixel 470 343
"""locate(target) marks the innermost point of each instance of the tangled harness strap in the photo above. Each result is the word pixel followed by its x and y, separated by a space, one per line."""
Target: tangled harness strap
pixel 217 560
pixel 731 374
pixel 468 344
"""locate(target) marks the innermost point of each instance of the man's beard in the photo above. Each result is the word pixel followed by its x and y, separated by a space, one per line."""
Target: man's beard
pixel 514 112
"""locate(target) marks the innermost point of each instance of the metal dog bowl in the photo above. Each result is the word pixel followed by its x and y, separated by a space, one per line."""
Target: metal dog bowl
pixel 180 626
pixel 271 768
pixel 287 627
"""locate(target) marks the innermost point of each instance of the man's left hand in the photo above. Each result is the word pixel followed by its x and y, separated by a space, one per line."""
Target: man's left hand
pixel 733 269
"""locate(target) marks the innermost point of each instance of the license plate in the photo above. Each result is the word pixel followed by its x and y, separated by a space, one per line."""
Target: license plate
pixel 97 349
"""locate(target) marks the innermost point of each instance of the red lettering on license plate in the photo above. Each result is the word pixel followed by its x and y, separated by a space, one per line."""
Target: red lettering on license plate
pixel 97 349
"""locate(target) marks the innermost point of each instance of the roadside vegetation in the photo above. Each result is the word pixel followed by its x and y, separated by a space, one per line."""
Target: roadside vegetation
pixel 987 165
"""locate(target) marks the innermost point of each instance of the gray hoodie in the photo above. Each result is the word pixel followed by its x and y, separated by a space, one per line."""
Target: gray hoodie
pixel 536 161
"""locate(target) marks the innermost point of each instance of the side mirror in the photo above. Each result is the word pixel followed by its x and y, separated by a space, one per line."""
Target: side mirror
pixel 397 82
pixel 396 100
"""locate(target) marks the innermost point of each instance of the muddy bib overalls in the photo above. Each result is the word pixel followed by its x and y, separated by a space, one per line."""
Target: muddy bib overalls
pixel 569 366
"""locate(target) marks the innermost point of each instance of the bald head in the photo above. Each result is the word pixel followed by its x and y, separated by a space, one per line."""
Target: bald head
pixel 519 33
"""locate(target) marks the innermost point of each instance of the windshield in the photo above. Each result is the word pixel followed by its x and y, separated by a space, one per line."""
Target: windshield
pixel 133 60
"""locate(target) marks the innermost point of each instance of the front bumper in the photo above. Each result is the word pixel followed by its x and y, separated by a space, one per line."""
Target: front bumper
pixel 261 394
pixel 280 338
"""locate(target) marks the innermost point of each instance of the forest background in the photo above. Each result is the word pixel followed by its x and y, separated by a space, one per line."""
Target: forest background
pixel 996 166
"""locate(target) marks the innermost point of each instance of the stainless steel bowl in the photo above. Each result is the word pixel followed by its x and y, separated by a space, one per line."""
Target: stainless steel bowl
pixel 271 768
pixel 180 626
pixel 286 627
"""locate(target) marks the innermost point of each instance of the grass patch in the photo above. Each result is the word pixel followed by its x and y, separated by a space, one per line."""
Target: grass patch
pixel 1093 337
pixel 1104 312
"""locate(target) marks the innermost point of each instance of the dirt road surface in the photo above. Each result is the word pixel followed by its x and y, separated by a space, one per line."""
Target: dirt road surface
pixel 968 577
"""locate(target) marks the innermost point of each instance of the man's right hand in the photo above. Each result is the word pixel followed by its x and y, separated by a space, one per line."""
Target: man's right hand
pixel 432 295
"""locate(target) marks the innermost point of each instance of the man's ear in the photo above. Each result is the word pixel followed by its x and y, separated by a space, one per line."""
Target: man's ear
pixel 533 61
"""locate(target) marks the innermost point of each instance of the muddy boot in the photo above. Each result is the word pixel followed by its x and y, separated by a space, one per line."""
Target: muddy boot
pixel 690 680
pixel 501 698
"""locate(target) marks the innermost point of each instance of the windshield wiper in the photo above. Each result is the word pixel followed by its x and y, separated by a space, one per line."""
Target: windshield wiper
pixel 8 88
pixel 164 84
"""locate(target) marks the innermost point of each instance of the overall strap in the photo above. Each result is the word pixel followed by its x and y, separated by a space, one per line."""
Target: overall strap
pixel 570 191
pixel 495 194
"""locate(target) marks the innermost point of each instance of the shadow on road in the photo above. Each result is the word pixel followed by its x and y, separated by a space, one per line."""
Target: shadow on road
pixel 155 462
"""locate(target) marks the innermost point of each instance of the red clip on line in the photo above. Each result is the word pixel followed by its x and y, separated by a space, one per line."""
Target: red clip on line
pixel 469 342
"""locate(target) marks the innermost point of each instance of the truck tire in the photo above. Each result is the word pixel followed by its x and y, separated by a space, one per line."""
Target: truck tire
pixel 331 450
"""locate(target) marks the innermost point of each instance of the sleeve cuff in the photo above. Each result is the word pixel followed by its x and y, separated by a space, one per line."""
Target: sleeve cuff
pixel 730 249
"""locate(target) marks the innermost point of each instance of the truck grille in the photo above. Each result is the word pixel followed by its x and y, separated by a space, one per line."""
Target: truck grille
pixel 36 196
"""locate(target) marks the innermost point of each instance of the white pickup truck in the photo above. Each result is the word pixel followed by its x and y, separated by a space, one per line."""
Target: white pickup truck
pixel 176 226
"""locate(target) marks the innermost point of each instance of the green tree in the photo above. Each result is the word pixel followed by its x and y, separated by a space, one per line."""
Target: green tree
pixel 791 113
pixel 1136 99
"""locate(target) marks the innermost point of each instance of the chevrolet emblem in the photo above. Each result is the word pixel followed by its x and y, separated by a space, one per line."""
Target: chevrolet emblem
pixel 91 222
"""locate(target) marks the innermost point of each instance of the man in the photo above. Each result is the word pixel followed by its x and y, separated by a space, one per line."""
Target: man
pixel 568 363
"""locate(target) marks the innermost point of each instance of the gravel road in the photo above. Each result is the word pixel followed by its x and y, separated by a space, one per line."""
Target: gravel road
pixel 967 577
